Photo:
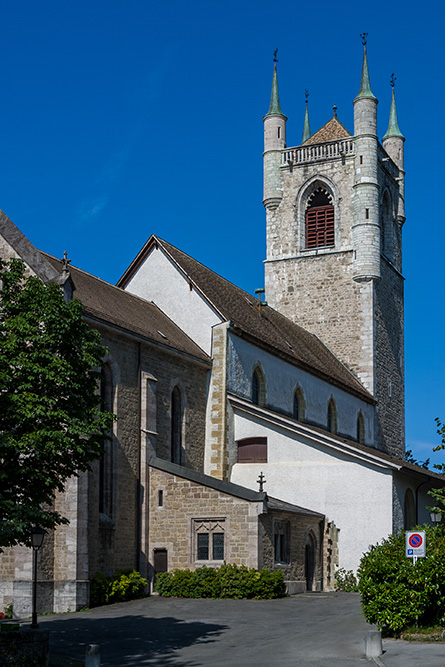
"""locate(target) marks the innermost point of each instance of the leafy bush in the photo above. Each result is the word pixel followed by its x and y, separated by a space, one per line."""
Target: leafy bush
pixel 124 585
pixel 345 580
pixel 396 593
pixel 227 581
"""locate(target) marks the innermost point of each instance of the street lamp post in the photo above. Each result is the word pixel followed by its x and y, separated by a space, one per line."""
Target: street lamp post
pixel 37 535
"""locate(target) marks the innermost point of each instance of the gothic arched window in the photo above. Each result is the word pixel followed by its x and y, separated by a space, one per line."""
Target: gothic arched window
pixel 360 429
pixel 106 463
pixel 176 425
pixel 299 406
pixel 320 231
pixel 258 387
pixel 332 416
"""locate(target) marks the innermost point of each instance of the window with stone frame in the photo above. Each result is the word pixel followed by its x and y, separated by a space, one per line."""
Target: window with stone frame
pixel 319 219
pixel 281 537
pixel 209 539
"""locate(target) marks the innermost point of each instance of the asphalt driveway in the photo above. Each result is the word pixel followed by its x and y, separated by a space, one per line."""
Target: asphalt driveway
pixel 316 629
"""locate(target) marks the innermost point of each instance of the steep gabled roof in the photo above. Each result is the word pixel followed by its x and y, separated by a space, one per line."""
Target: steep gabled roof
pixel 330 131
pixel 25 249
pixel 267 329
pixel 109 304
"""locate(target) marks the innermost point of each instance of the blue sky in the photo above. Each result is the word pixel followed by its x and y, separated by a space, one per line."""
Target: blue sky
pixel 120 119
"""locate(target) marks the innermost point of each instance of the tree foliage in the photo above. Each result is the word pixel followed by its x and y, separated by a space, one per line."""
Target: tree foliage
pixel 438 494
pixel 51 422
pixel 396 593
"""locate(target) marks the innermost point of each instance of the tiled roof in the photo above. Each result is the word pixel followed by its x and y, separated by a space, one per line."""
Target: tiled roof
pixel 330 131
pixel 113 305
pixel 268 329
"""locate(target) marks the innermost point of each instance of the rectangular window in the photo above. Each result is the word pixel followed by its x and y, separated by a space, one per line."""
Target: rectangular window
pixel 252 450
pixel 218 546
pixel 209 536
pixel 203 546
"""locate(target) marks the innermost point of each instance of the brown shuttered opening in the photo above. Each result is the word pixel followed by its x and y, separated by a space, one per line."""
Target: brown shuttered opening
pixel 252 450
pixel 320 227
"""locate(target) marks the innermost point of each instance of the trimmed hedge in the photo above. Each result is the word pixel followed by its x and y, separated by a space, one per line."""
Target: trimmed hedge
pixel 124 585
pixel 227 581
pixel 395 593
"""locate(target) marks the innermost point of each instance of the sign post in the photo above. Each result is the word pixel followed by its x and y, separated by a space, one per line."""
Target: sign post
pixel 415 544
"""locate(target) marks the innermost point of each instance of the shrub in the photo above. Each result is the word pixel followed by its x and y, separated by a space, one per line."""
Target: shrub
pixel 345 580
pixel 124 585
pixel 395 593
pixel 227 581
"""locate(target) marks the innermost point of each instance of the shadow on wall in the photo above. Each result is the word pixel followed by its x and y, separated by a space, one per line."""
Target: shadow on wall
pixel 125 639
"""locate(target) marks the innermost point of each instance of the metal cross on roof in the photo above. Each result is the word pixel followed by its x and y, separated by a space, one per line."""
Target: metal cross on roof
pixel 392 83
pixel 261 481
pixel 306 94
pixel 364 36
pixel 275 59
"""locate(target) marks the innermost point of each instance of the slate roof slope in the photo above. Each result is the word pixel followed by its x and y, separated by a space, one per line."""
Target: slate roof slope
pixel 270 330
pixel 330 131
pixel 112 304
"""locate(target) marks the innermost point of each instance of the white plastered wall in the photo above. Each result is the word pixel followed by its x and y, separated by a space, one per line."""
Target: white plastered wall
pixel 158 279
pixel 353 491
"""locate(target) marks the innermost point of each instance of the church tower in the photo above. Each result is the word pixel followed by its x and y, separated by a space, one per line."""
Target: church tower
pixel 334 216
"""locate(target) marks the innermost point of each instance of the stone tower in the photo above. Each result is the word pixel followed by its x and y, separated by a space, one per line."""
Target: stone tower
pixel 335 211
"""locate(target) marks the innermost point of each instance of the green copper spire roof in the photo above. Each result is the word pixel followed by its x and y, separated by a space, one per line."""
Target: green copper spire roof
pixel 274 98
pixel 365 84
pixel 307 127
pixel 393 127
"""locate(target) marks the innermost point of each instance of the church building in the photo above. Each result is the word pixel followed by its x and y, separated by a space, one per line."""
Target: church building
pixel 263 433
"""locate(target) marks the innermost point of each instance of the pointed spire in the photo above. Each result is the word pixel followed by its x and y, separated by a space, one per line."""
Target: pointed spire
pixel 307 127
pixel 365 84
pixel 274 107
pixel 393 127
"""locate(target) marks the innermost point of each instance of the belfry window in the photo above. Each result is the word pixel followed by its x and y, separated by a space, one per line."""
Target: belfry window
pixel 320 231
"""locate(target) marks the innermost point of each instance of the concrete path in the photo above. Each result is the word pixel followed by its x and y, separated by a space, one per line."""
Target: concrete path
pixel 316 630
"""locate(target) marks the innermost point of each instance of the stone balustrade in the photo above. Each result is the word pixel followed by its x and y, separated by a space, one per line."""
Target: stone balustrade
pixel 315 152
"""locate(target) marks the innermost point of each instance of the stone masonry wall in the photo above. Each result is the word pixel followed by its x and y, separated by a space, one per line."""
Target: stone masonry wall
pixel 300 528
pixel 390 383
pixel 183 501
pixel 216 456
pixel 113 541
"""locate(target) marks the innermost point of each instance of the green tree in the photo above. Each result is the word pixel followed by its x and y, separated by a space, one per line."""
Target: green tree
pixel 52 424
pixel 438 494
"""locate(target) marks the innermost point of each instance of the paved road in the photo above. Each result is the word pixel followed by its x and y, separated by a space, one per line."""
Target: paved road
pixel 313 630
